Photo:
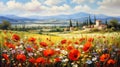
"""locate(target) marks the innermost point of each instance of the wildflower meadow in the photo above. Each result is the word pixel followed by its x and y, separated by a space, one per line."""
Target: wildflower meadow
pixel 20 49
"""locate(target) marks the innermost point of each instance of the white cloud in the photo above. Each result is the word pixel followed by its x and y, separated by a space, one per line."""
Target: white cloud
pixel 35 7
pixel 78 1
pixel 110 3
pixel 91 1
pixel 2 7
pixel 14 5
pixel 82 1
pixel 109 7
pixel 51 2
pixel 82 8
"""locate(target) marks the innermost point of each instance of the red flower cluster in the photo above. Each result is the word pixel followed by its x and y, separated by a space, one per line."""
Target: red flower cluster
pixel 70 47
pixel 5 56
pixel 82 39
pixel 21 57
pixel 57 59
pixel 32 60
pixel 44 44
pixel 64 41
pixel 9 45
pixel 87 46
pixel 29 49
pixel 111 61
pixel 103 57
pixel 48 52
pixel 32 39
pixel 90 39
pixel 15 37
pixel 40 60
pixel 74 55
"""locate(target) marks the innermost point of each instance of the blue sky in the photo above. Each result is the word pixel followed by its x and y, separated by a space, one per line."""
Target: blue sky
pixel 58 7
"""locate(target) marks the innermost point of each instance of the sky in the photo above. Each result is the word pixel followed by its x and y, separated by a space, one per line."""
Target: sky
pixel 59 7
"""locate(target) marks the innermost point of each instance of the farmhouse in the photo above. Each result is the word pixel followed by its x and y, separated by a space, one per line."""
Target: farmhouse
pixel 98 25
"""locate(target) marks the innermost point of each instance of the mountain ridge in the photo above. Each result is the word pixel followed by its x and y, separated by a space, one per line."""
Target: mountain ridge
pixel 81 16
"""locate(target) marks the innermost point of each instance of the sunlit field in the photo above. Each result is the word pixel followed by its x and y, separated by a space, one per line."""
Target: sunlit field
pixel 74 49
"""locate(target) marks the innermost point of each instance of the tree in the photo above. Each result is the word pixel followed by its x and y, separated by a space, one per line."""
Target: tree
pixel 87 22
pixel 70 23
pixel 77 24
pixel 90 21
pixel 113 23
pixel 106 23
pixel 5 25
pixel 94 19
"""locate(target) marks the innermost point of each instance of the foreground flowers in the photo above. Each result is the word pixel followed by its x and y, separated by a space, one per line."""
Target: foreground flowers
pixel 85 52
pixel 74 55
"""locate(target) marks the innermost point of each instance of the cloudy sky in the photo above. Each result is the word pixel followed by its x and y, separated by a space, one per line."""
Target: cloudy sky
pixel 59 7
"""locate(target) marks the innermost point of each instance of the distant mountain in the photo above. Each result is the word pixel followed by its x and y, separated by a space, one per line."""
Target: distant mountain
pixel 14 19
pixel 81 16
pixel 77 16
pixel 6 18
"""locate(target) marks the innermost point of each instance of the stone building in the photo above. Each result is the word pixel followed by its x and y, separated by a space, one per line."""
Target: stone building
pixel 98 25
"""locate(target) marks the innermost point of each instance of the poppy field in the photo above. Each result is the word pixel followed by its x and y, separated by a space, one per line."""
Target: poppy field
pixel 20 49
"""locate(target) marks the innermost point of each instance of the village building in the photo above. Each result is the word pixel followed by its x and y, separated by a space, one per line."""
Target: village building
pixel 98 25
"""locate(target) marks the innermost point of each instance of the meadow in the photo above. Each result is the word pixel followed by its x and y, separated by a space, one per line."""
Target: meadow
pixel 73 49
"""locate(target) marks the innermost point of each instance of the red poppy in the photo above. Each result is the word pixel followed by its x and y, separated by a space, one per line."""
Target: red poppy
pixel 87 46
pixel 44 44
pixel 15 37
pixel 32 60
pixel 32 39
pixel 70 47
pixel 111 61
pixel 48 52
pixel 82 39
pixel 74 55
pixel 90 39
pixel 29 49
pixel 40 60
pixel 103 57
pixel 76 42
pixel 11 46
pixel 6 43
pixel 64 41
pixel 57 59
pixel 5 56
pixel 35 47
pixel 21 57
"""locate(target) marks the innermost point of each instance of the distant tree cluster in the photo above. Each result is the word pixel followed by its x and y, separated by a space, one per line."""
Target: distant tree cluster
pixel 114 23
pixel 5 25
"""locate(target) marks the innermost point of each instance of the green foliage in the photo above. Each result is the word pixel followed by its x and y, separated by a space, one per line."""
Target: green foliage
pixel 113 23
pixel 95 30
pixel 5 25
pixel 56 30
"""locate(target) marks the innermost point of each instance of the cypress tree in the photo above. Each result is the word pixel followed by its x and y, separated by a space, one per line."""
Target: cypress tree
pixel 106 22
pixel 70 23
pixel 87 22
pixel 94 19
pixel 77 24
pixel 90 21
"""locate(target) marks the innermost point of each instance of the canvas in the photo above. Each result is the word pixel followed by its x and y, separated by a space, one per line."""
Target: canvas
pixel 59 33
